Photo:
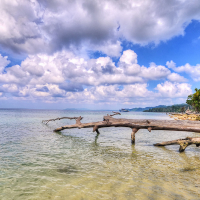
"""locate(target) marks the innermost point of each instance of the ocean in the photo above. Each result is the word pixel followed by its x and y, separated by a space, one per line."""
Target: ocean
pixel 37 163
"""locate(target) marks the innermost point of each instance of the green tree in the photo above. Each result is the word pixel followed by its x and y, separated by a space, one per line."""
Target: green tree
pixel 194 100
pixel 183 109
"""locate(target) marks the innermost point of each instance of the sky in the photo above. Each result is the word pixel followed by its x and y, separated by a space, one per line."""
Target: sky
pixel 98 54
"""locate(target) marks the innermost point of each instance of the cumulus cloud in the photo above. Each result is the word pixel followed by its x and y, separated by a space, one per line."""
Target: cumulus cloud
pixel 19 31
pixel 155 72
pixel 174 77
pixel 66 76
pixel 193 71
pixel 171 64
pixel 128 63
pixel 173 90
pixel 3 62
pixel 128 57
pixel 110 48
pixel 41 26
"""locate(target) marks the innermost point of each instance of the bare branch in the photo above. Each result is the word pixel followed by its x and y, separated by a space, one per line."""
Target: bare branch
pixel 115 113
pixel 76 118
pixel 109 121
pixel 134 131
pixel 184 143
pixel 136 124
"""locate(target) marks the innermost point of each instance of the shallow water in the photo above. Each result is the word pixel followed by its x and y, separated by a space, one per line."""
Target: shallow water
pixel 37 163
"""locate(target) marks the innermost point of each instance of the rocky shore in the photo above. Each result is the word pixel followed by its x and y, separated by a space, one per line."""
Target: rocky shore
pixel 185 116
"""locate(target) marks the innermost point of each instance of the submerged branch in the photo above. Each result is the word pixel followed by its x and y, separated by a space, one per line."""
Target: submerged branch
pixel 184 143
pixel 136 124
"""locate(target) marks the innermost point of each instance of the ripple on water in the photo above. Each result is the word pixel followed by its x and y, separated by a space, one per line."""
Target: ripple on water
pixel 75 164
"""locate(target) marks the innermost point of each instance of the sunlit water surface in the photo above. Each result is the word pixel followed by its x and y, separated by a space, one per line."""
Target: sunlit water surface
pixel 36 163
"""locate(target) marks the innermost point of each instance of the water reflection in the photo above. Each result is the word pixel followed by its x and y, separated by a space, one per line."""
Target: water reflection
pixel 96 138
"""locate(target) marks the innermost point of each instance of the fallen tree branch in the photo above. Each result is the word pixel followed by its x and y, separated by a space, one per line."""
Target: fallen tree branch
pixel 184 143
pixel 109 121
pixel 115 113
pixel 136 124
pixel 134 131
pixel 76 118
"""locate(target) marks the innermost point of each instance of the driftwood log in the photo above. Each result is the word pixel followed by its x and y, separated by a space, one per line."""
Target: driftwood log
pixel 184 143
pixel 136 124
pixel 78 119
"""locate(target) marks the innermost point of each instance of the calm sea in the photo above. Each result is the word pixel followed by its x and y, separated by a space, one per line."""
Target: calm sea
pixel 38 164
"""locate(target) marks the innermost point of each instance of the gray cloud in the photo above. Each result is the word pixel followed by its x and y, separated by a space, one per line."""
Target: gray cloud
pixel 107 69
pixel 43 89
pixel 50 26
pixel 71 87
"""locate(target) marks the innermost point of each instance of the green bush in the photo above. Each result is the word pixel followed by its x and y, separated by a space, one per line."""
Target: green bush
pixel 194 100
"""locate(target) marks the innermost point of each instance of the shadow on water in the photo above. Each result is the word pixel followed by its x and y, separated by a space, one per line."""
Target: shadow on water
pixel 59 133
pixel 96 138
pixel 94 145
pixel 186 159
pixel 134 153
pixel 188 169
pixel 68 169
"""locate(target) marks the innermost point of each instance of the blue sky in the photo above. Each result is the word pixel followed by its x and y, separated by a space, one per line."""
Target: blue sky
pixel 98 54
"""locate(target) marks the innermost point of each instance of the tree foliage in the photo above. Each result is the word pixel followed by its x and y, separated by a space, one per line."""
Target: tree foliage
pixel 194 100
pixel 174 108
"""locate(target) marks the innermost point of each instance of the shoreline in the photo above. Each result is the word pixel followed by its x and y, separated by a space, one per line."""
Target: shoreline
pixel 185 116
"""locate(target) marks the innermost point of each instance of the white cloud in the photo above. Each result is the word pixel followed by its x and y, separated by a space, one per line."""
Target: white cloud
pixel 193 71
pixel 112 49
pixel 174 77
pixel 128 63
pixel 155 72
pixel 11 88
pixel 48 26
pixel 66 76
pixel 129 57
pixel 173 90
pixel 18 29
pixel 171 64
pixel 3 62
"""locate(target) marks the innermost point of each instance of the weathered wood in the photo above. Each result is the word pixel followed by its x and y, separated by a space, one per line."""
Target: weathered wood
pixel 149 129
pixel 76 118
pixel 95 128
pixel 184 143
pixel 136 124
pixel 115 113
pixel 134 131
pixel 109 121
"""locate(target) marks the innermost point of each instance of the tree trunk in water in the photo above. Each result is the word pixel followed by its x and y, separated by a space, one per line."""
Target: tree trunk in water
pixel 184 143
pixel 135 125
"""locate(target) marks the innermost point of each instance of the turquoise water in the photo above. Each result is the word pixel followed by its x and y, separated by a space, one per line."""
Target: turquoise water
pixel 37 163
